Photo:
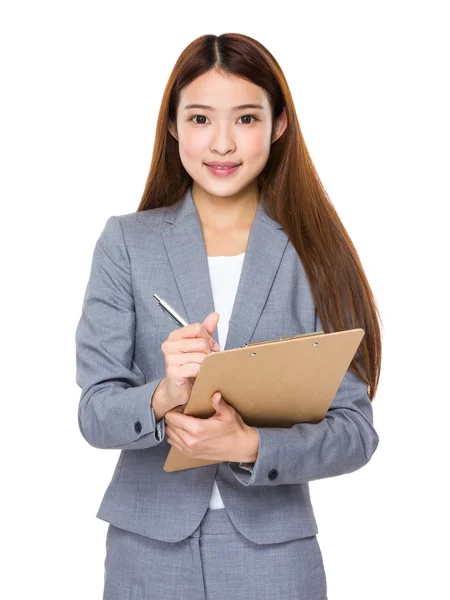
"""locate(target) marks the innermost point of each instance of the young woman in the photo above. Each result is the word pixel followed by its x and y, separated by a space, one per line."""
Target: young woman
pixel 235 222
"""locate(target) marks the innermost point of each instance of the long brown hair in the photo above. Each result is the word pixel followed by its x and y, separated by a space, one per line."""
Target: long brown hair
pixel 293 193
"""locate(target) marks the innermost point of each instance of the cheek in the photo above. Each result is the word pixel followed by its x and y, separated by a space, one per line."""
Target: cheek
pixel 191 146
pixel 256 148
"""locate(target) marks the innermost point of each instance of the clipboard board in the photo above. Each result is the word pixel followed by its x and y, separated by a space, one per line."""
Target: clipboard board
pixel 271 383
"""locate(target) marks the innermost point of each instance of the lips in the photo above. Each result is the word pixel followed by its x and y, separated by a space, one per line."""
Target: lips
pixel 220 171
pixel 224 165
pixel 221 168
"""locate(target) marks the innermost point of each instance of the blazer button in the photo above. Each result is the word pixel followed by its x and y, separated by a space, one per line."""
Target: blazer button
pixel 138 427
pixel 273 474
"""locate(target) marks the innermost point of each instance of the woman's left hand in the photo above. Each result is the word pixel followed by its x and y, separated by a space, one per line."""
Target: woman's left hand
pixel 222 437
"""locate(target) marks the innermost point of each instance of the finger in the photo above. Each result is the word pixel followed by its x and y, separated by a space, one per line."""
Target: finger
pixel 169 414
pixel 176 440
pixel 194 330
pixel 183 422
pixel 174 444
pixel 187 345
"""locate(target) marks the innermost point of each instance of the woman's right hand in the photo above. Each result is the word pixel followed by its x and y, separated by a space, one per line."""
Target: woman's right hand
pixel 184 351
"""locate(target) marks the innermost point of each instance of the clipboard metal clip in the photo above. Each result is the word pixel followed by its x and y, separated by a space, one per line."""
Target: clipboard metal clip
pixel 281 338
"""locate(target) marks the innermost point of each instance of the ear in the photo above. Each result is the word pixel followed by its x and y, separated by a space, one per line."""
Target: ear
pixel 279 126
pixel 173 130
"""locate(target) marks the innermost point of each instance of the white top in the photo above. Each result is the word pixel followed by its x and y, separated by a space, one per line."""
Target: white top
pixel 224 272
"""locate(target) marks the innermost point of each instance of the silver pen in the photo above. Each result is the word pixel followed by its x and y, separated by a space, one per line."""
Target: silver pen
pixel 171 311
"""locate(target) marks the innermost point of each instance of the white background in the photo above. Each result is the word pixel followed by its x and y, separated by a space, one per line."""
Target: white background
pixel 82 85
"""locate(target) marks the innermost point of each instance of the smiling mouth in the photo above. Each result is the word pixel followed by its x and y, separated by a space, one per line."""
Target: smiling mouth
pixel 222 168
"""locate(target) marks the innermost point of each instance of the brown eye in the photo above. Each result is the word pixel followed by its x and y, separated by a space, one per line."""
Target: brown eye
pixel 251 117
pixel 195 117
pixel 243 117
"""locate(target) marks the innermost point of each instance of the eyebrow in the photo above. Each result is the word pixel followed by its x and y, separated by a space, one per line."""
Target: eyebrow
pixel 241 107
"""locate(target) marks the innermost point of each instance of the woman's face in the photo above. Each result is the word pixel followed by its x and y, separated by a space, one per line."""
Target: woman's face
pixel 224 132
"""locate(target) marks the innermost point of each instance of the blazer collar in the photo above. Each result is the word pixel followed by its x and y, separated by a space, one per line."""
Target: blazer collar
pixel 186 251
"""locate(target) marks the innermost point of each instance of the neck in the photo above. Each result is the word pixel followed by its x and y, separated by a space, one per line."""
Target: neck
pixel 226 213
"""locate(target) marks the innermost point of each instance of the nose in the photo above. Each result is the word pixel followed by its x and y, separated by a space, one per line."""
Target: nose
pixel 222 139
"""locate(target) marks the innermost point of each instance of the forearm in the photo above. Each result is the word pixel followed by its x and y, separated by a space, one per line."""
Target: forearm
pixel 118 417
pixel 342 442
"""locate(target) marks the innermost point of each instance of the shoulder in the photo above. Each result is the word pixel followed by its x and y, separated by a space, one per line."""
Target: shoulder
pixel 124 228
pixel 154 216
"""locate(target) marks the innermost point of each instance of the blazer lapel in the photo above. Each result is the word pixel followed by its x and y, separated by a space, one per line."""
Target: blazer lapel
pixel 186 251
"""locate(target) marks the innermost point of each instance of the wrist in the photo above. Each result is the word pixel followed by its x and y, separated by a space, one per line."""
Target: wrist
pixel 252 445
pixel 158 400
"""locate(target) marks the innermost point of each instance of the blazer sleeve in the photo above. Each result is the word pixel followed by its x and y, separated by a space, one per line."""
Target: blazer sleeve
pixel 115 405
pixel 342 442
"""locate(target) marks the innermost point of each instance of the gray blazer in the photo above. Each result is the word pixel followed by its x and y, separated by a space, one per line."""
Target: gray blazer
pixel 120 363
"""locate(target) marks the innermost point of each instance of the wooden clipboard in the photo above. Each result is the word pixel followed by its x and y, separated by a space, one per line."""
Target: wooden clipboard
pixel 271 383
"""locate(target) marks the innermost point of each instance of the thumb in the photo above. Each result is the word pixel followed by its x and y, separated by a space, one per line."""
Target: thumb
pixel 211 321
pixel 217 401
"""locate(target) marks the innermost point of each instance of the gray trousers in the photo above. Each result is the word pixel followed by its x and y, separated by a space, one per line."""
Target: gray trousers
pixel 215 563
